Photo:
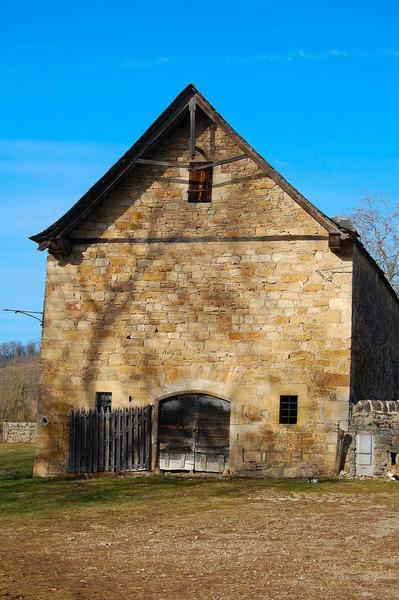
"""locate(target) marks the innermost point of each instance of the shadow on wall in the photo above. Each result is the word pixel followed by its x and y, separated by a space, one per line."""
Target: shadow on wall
pixel 125 325
pixel 136 348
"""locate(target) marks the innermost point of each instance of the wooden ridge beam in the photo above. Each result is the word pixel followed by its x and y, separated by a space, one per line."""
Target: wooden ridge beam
pixel 216 163
pixel 193 166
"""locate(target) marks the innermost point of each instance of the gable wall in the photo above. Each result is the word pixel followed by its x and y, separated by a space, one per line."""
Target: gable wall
pixel 243 319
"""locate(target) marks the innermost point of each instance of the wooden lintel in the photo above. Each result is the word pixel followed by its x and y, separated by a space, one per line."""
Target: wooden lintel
pixel 199 239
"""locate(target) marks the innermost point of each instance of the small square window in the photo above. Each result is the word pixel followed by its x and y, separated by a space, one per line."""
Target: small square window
pixel 288 410
pixel 103 401
pixel 200 184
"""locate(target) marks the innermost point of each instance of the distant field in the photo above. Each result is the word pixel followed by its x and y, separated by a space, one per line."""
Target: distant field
pixel 161 537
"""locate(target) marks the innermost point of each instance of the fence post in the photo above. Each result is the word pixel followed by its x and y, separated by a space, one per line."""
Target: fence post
pixel 107 441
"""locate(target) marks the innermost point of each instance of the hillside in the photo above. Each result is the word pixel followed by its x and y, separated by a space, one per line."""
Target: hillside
pixel 19 381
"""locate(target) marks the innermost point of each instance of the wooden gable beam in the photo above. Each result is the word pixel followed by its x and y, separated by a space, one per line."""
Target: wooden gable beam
pixel 192 105
pixel 190 166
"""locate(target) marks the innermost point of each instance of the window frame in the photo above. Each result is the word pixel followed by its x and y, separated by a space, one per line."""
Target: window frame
pixel 200 185
pixel 102 402
pixel 288 409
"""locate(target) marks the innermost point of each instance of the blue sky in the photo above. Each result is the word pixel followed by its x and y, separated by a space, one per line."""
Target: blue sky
pixel 313 86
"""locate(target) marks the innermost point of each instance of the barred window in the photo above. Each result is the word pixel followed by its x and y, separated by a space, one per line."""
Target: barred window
pixel 288 410
pixel 103 400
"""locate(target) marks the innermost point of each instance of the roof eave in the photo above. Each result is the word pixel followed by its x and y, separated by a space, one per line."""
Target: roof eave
pixel 105 183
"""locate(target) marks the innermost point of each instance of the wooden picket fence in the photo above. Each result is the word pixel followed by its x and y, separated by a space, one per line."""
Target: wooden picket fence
pixel 117 440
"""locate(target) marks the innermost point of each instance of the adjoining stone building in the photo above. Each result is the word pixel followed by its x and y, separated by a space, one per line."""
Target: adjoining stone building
pixel 371 446
pixel 193 277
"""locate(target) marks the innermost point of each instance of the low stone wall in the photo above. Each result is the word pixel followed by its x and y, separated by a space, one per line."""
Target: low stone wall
pixel 19 432
pixel 381 419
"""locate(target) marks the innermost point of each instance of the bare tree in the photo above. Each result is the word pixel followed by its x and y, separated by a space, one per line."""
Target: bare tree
pixel 377 222
pixel 19 377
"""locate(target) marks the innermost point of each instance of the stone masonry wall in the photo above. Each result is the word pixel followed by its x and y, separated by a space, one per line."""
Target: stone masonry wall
pixel 381 419
pixel 375 346
pixel 188 297
pixel 19 432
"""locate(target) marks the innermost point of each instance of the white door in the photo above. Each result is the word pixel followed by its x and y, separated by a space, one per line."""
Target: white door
pixel 364 454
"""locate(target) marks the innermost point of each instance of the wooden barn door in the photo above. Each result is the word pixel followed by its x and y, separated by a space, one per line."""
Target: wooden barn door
pixel 176 424
pixel 193 433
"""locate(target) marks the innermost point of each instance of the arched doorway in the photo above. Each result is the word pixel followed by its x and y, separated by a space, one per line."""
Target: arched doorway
pixel 193 433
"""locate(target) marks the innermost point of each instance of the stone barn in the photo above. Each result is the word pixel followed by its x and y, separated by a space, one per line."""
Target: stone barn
pixel 194 278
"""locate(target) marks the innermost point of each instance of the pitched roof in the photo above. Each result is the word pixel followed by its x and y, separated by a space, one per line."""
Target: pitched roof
pixel 171 115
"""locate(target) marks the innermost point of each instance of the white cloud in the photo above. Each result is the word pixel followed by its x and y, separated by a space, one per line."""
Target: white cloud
pixel 296 55
pixel 305 55
pixel 146 64
pixel 336 53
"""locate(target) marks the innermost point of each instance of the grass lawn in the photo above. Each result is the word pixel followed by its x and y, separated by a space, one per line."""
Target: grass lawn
pixel 191 537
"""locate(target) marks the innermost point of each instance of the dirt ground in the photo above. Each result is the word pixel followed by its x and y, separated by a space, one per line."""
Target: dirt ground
pixel 247 541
